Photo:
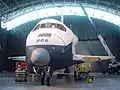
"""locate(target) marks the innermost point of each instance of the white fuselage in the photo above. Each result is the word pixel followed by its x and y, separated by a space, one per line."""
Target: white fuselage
pixel 58 37
pixel 46 34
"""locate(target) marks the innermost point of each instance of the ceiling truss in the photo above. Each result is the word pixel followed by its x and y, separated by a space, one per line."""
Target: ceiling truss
pixel 20 7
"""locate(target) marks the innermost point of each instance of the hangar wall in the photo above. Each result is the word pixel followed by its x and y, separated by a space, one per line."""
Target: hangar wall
pixel 80 26
pixel 3 49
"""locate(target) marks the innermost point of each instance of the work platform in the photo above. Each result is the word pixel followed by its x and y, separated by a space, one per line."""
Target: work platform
pixel 100 83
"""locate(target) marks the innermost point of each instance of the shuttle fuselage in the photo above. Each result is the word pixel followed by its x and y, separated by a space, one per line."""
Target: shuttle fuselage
pixel 51 43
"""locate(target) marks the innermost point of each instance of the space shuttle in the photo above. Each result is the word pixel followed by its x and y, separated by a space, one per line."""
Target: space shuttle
pixel 51 44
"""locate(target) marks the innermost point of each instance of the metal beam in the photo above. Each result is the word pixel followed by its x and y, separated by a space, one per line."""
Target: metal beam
pixel 0 20
pixel 97 33
pixel 43 4
pixel 97 2
pixel 32 4
pixel 16 2
pixel 117 11
pixel 62 16
pixel 53 1
pixel 75 1
pixel 110 3
pixel 5 5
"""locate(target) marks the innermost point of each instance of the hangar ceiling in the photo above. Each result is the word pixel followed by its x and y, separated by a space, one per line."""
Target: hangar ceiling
pixel 10 8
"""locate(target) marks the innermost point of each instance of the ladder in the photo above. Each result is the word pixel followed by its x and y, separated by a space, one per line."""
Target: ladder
pixel 98 34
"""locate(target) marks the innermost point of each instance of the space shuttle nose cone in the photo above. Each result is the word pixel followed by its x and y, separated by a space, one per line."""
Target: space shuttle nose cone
pixel 40 57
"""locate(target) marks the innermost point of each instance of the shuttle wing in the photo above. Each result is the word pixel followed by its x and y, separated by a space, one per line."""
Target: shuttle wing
pixel 18 58
pixel 88 58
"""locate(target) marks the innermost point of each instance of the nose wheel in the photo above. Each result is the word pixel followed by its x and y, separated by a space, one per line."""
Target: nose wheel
pixel 42 77
pixel 46 76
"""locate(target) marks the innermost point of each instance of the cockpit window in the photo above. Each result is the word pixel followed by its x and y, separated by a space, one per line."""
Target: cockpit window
pixel 37 27
pixel 53 26
pixel 50 25
pixel 61 27
pixel 46 25
pixel 42 26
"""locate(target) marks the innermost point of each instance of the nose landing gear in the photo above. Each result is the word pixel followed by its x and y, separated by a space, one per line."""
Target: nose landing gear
pixel 46 76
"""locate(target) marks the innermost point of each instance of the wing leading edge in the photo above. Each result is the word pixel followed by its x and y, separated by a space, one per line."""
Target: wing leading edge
pixel 84 58
pixel 88 58
pixel 18 58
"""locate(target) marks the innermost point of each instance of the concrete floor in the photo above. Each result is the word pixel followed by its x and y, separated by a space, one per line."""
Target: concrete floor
pixel 100 83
